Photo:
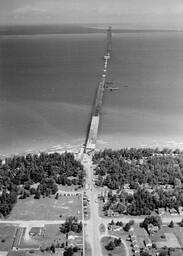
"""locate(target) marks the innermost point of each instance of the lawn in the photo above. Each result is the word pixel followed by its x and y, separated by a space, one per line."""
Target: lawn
pixel 120 250
pixel 173 237
pixel 46 208
pixel 141 235
pixel 7 233
pixel 170 241
pixel 102 228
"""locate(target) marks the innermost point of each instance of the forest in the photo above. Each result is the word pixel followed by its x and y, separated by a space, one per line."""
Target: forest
pixel 20 174
pixel 138 167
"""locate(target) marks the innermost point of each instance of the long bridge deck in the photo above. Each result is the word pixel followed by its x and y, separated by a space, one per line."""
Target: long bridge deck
pixel 95 120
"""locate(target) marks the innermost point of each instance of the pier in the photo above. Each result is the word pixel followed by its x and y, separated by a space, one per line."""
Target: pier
pixel 95 119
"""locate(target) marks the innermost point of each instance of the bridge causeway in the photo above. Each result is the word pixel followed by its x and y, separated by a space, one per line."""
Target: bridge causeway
pixel 95 119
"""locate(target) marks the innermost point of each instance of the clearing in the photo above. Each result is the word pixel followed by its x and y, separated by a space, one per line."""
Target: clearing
pixel 47 208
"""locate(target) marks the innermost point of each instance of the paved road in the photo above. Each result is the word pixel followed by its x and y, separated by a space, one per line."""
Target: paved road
pixel 92 227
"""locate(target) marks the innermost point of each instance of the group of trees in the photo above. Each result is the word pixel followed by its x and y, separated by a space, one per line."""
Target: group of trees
pixel 71 224
pixel 143 202
pixel 113 243
pixel 69 251
pixel 154 220
pixel 118 223
pixel 20 173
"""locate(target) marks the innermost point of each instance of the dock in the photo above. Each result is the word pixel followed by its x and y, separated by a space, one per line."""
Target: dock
pixel 95 119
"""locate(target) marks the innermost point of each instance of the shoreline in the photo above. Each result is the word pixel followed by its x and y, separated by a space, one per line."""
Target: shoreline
pixel 102 144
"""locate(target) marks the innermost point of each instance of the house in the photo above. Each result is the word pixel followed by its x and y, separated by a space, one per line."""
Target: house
pixel 180 210
pixel 35 231
pixel 161 211
pixel 148 243
pixel 126 186
pixel 110 213
pixel 136 247
pixel 151 228
pixel 133 239
pixel 173 211
pixel 137 253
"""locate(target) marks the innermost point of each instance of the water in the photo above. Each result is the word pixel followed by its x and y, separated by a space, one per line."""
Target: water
pixel 48 83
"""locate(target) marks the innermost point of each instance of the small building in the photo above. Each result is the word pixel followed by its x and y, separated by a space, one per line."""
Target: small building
pixel 137 253
pixel 131 232
pixel 180 210
pixel 133 239
pixel 136 247
pixel 148 243
pixel 126 186
pixel 151 228
pixel 134 243
pixel 161 211
pixel 110 213
pixel 173 211
pixel 35 231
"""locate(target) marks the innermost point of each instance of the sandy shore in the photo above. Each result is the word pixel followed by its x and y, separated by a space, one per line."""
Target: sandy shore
pixel 116 141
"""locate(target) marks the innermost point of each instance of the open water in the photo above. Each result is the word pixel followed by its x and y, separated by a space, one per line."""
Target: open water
pixel 48 83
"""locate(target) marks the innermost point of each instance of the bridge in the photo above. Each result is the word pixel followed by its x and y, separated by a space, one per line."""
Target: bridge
pixel 95 119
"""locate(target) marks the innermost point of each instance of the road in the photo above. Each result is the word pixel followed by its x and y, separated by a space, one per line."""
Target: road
pixel 92 228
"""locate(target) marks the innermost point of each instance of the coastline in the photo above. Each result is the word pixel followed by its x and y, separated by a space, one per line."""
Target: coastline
pixel 114 142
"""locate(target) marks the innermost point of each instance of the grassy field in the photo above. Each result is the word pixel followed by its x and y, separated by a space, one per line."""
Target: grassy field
pixel 7 233
pixel 46 208
pixel 171 237
pixel 120 250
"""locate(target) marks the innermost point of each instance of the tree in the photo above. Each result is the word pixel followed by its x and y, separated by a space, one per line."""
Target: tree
pixel 52 248
pixel 110 246
pixel 37 194
pixel 171 225
pixel 127 227
pixel 181 223
pixel 71 224
pixel 145 254
pixel 68 251
pixel 117 242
